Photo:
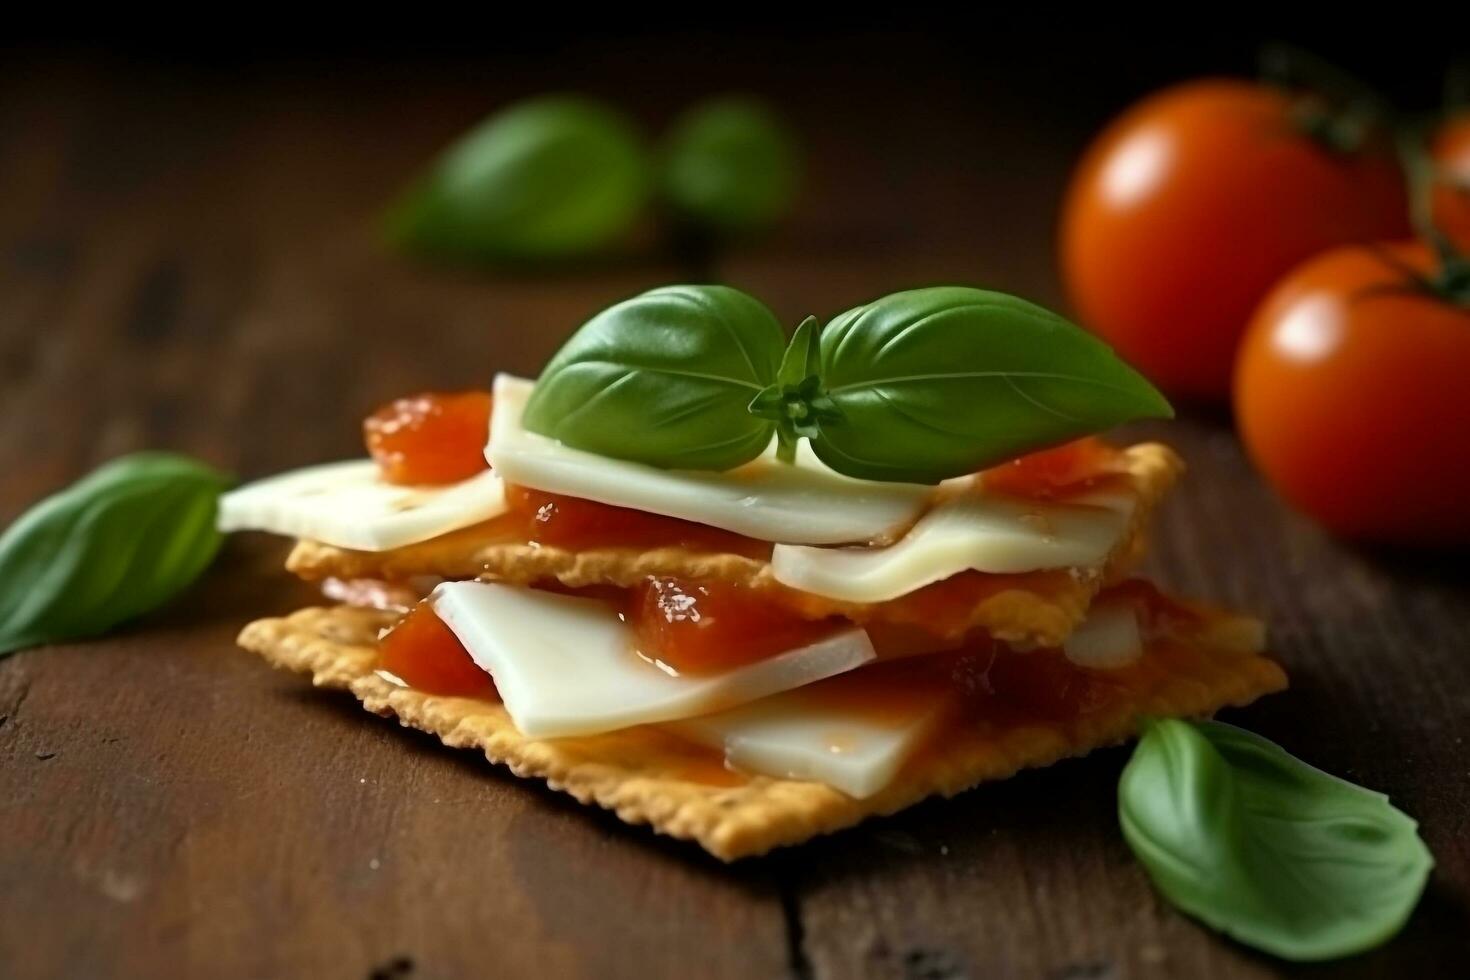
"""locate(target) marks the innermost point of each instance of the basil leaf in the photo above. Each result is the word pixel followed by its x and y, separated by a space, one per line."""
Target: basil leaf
pixel 548 178
pixel 114 545
pixel 939 382
pixel 1265 848
pixel 730 166
pixel 664 378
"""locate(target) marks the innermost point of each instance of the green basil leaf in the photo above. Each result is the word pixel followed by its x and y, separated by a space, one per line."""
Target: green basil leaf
pixel 664 378
pixel 730 166
pixel 1265 848
pixel 939 382
pixel 545 179
pixel 116 544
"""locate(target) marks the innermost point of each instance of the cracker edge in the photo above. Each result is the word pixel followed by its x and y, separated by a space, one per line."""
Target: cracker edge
pixel 729 823
pixel 1014 614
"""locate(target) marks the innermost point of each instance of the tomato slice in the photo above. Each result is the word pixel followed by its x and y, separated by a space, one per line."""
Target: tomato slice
pixel 706 627
pixel 574 523
pixel 432 438
pixel 1054 472
pixel 427 656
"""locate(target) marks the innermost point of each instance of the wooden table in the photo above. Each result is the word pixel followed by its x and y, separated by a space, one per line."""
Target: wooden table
pixel 187 261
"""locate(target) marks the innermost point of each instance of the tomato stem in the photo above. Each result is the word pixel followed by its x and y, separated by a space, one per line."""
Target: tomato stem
pixel 1334 109
pixel 1451 277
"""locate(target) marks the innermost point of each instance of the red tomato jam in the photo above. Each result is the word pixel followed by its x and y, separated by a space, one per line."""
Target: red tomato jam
pixel 574 523
pixel 430 438
pixel 707 627
pixel 983 682
pixel 988 687
pixel 425 655
pixel 1069 468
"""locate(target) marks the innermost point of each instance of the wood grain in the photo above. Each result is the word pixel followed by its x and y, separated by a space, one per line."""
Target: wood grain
pixel 187 260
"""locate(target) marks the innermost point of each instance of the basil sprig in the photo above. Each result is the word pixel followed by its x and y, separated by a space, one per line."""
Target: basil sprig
pixel 1265 848
pixel 664 378
pixel 116 544
pixel 915 387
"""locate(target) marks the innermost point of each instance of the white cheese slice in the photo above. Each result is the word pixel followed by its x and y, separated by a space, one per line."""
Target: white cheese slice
pixel 819 734
pixel 349 505
pixel 764 499
pixel 983 532
pixel 855 731
pixel 566 665
pixel 1107 639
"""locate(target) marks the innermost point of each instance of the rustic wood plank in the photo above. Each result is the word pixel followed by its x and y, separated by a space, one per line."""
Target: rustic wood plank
pixel 187 259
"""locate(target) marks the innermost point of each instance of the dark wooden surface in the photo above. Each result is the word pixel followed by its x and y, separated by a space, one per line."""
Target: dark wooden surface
pixel 187 261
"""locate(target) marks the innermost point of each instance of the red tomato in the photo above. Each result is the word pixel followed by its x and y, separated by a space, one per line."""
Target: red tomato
pixel 1451 153
pixel 1191 205
pixel 1352 394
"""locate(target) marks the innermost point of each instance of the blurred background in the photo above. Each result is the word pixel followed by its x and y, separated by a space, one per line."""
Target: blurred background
pixel 223 184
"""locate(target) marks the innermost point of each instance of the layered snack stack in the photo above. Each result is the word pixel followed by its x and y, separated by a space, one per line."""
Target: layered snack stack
pixel 748 592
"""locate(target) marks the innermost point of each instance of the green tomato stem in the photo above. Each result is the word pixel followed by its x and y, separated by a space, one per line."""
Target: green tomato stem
pixel 1451 278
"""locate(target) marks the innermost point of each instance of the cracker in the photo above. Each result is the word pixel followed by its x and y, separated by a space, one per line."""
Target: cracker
pixel 644 775
pixel 1035 608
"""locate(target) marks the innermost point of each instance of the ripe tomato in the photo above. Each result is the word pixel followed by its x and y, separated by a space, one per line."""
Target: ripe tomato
pixel 1352 394
pixel 1188 207
pixel 1451 152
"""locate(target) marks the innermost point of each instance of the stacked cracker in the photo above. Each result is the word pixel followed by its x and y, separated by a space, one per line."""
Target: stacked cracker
pixel 642 773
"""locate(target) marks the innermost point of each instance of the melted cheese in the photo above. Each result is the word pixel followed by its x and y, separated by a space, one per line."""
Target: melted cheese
pixel 1107 639
pixel 566 665
pixel 349 505
pixel 764 499
pixel 986 533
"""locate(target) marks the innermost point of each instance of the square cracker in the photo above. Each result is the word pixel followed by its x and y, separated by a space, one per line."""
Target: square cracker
pixel 1037 608
pixel 649 777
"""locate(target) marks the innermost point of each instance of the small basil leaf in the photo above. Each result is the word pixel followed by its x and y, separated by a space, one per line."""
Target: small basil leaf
pixel 545 179
pixel 730 166
pixel 939 382
pixel 1265 848
pixel 116 544
pixel 664 378
pixel 802 359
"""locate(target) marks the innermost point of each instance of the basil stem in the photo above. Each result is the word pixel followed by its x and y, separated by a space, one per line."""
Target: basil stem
pixel 114 545
pixel 1265 848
